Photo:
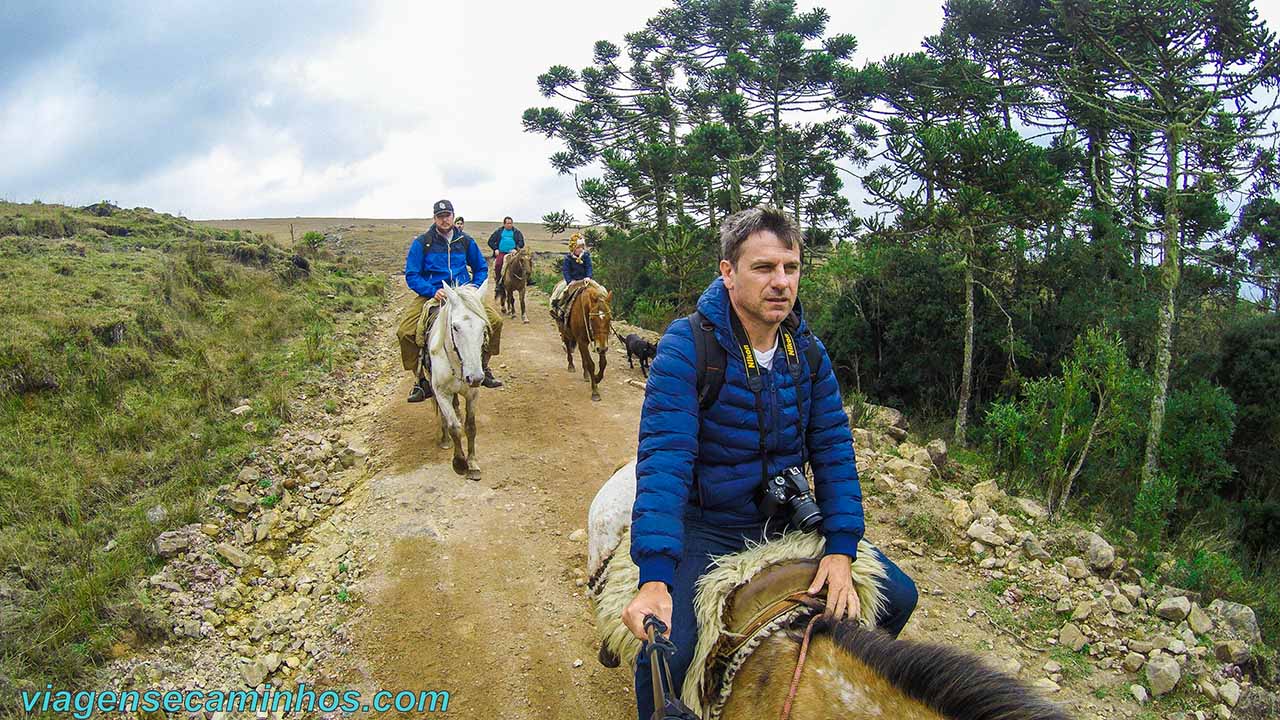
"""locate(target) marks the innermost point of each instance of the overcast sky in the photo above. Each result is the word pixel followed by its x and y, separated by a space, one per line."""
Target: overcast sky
pixel 368 109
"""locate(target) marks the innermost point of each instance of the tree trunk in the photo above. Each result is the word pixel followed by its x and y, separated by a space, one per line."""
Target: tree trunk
pixel 735 189
pixel 671 139
pixel 1168 286
pixel 1099 179
pixel 966 373
pixel 1137 236
pixel 777 153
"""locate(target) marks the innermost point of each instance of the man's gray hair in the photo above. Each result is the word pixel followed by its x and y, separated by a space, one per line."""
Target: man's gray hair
pixel 741 225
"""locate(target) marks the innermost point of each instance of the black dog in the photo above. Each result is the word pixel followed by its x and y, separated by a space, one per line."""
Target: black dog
pixel 639 349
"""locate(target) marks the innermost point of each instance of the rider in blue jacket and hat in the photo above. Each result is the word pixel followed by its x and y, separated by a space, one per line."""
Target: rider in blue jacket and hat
pixel 702 466
pixel 443 254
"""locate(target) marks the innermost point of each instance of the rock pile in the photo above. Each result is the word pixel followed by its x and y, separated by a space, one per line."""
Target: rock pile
pixel 1149 637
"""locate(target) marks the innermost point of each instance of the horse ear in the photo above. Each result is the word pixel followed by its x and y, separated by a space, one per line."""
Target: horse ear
pixel 450 294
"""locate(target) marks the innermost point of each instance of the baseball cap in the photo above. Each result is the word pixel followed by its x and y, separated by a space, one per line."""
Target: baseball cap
pixel 442 206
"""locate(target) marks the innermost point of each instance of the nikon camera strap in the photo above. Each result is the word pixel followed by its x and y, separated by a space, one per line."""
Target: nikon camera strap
pixel 755 381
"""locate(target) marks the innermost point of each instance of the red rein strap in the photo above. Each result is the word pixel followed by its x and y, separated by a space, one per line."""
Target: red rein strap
pixel 795 678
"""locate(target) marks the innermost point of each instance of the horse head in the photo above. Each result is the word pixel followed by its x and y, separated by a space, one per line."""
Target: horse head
pixel 465 327
pixel 599 318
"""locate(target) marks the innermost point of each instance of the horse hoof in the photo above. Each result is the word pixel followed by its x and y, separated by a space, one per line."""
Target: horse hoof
pixel 445 445
pixel 474 474
pixel 460 466
pixel 525 320
pixel 595 397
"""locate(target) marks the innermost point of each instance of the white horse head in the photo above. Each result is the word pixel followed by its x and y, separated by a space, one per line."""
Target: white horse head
pixel 458 337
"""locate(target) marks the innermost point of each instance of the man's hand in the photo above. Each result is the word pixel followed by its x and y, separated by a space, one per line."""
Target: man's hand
pixel 836 572
pixel 653 599
pixel 440 295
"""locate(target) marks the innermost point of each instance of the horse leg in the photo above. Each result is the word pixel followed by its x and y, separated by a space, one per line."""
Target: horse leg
pixel 455 429
pixel 473 467
pixel 589 367
pixel 449 423
pixel 524 314
pixel 568 351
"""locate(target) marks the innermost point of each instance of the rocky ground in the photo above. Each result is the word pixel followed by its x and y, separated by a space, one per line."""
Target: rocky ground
pixel 347 554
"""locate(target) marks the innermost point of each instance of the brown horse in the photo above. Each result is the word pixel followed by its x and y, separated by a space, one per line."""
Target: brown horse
pixel 586 324
pixel 517 269
pixel 753 616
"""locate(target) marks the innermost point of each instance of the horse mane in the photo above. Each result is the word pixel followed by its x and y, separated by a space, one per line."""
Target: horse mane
pixel 471 300
pixel 950 681
pixel 595 292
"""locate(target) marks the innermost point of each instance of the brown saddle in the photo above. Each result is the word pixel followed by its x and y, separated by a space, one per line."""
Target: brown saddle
pixel 773 593
pixel 571 293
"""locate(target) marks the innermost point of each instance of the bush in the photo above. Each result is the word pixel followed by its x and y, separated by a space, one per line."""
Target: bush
pixel 1087 424
pixel 652 314
pixel 1195 439
pixel 312 240
pixel 1155 503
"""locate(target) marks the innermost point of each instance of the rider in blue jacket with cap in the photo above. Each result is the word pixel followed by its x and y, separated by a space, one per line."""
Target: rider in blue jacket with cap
pixel 442 254
pixel 701 467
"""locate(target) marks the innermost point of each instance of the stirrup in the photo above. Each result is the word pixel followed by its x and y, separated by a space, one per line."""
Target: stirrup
pixel 420 392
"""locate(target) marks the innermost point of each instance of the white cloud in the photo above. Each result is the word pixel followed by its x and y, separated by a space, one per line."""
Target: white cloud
pixel 367 110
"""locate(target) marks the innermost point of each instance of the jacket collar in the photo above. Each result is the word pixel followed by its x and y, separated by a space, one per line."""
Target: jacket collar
pixel 714 306
pixel 434 234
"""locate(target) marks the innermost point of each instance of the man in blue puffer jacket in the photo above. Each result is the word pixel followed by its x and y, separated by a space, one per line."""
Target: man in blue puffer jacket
pixel 443 254
pixel 699 471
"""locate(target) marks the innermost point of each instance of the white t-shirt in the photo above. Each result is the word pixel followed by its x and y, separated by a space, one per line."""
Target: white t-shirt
pixel 765 359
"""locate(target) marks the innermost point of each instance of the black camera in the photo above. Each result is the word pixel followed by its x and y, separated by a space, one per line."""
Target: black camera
pixel 789 489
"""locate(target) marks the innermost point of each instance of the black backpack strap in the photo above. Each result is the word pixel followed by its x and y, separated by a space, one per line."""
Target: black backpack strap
pixel 709 360
pixel 813 355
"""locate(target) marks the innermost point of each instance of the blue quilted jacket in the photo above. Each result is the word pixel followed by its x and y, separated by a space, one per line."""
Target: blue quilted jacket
pixel 720 446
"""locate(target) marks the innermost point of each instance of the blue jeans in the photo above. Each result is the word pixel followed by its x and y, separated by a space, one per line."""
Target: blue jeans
pixel 701 543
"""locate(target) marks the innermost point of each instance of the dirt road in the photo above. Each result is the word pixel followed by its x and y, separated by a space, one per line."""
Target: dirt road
pixel 476 586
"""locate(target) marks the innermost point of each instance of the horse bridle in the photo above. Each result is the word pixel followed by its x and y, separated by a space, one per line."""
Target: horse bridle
pixel 515 275
pixel 453 339
pixel 586 322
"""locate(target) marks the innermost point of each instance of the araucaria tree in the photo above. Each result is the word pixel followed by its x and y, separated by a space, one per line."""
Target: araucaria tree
pixel 1184 73
pixel 715 105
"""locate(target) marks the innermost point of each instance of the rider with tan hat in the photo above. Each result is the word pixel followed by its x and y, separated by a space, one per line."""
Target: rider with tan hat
pixel 576 266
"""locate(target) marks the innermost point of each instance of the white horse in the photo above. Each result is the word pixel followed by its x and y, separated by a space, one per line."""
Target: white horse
pixel 610 517
pixel 455 342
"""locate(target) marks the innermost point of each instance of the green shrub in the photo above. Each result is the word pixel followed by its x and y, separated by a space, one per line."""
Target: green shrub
pixel 652 314
pixel 861 411
pixel 1155 503
pixel 1197 432
pixel 312 240
pixel 1086 425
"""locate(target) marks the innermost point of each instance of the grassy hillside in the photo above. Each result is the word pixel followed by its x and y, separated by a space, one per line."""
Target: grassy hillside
pixel 126 338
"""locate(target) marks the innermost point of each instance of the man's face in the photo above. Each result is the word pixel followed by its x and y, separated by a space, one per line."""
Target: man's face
pixel 444 222
pixel 508 223
pixel 460 224
pixel 764 282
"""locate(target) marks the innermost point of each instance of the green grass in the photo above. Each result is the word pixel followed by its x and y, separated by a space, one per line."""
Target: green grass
pixel 924 527
pixel 121 353
pixel 1075 665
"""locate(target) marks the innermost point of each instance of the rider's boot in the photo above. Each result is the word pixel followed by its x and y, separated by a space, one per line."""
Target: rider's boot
pixel 489 380
pixel 422 389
